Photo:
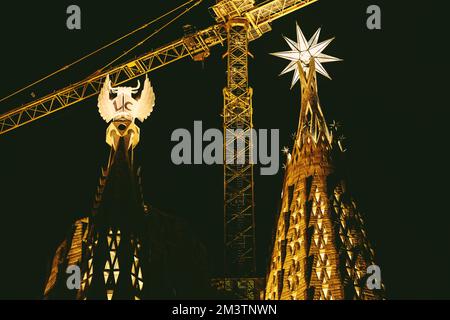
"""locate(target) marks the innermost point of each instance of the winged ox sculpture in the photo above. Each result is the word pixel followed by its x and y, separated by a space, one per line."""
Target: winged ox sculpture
pixel 124 106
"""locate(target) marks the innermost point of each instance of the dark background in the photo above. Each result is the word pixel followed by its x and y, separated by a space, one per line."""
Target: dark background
pixel 385 93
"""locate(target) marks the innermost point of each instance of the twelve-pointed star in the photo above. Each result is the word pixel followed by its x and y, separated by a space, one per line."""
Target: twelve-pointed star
pixel 304 51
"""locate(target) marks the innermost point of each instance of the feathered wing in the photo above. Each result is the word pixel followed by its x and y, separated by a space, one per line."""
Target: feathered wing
pixel 145 103
pixel 105 105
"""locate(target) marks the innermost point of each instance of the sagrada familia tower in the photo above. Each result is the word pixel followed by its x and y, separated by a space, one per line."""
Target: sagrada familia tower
pixel 320 249
pixel 126 249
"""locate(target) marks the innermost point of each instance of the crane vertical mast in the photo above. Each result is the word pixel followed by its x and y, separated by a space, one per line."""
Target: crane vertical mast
pixel 239 219
pixel 239 225
pixel 243 23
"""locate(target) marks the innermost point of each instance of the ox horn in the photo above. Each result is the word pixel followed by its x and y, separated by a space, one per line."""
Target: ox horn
pixel 135 89
pixel 111 89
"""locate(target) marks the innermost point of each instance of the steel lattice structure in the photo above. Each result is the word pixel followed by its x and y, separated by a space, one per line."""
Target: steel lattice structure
pixel 192 46
pixel 195 46
pixel 239 224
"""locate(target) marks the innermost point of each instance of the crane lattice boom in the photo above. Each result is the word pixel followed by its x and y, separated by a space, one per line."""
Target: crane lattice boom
pixel 196 46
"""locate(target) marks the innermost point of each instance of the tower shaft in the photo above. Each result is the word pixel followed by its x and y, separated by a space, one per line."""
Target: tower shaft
pixel 239 226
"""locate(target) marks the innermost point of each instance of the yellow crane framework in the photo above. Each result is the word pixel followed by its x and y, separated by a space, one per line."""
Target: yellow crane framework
pixel 238 23
pixel 195 46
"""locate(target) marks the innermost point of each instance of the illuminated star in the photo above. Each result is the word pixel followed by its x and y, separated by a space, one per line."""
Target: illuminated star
pixel 304 51
pixel 285 150
pixel 335 125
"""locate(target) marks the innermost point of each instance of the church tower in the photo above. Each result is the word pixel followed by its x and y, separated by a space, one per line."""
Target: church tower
pixel 126 249
pixel 320 249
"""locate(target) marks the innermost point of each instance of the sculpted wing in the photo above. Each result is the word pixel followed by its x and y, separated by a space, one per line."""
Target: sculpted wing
pixel 105 105
pixel 146 102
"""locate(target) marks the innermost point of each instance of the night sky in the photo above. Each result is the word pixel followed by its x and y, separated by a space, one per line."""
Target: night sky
pixel 383 92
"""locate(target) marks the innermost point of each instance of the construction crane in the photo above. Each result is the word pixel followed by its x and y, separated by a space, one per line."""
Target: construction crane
pixel 238 23
pixel 196 46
